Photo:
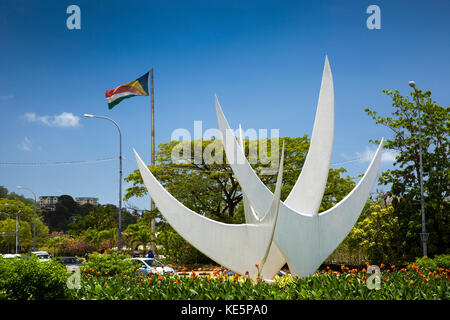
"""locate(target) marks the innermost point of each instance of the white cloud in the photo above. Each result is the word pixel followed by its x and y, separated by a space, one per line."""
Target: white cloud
pixel 368 154
pixel 65 119
pixel 26 144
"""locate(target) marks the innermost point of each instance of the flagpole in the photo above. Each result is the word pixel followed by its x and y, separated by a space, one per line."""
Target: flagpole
pixel 152 204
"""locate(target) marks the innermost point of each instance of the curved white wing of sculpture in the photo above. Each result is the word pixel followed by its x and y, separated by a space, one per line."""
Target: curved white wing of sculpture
pixel 307 193
pixel 238 247
pixel 249 212
pixel 298 203
pixel 306 241
pixel 307 245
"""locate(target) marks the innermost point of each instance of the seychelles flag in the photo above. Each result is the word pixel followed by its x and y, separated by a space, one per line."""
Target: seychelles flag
pixel 137 87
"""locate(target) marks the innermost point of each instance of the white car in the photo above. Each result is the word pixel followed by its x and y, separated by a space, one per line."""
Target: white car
pixel 42 255
pixel 11 255
pixel 150 265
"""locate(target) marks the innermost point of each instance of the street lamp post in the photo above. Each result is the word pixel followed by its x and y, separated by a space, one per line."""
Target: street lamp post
pixel 17 226
pixel 424 234
pixel 119 242
pixel 34 227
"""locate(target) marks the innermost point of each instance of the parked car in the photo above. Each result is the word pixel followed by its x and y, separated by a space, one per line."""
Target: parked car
pixel 11 255
pixel 70 261
pixel 152 265
pixel 42 255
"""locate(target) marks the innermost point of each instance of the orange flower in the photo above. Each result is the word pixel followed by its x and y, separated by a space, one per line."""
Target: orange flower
pixel 328 268
pixel 393 267
pixel 349 281
pixel 149 280
pixel 160 278
pixel 98 272
pixel 258 278
pixel 342 268
pixel 364 278
pixel 363 270
pixel 106 284
pixel 382 266
pixel 139 284
pixel 403 269
pixel 246 272
pixel 256 265
pixel 411 282
pixel 140 277
pixel 176 281
pixel 121 274
pixel 437 277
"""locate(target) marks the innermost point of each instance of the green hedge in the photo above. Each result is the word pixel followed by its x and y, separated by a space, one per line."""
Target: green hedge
pixel 111 263
pixel 28 278
pixel 441 261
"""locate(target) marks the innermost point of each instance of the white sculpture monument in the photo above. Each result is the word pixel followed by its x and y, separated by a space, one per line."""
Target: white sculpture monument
pixel 275 232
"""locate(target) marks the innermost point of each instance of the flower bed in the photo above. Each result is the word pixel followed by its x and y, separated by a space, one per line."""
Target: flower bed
pixel 407 283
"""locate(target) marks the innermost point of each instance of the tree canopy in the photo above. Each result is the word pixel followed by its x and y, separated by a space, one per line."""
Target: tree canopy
pixel 404 178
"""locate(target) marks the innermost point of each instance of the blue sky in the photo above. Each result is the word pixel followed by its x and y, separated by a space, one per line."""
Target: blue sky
pixel 263 59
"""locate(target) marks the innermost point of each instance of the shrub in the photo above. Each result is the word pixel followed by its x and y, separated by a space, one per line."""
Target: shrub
pixel 110 263
pixel 28 279
pixel 425 262
pixel 441 261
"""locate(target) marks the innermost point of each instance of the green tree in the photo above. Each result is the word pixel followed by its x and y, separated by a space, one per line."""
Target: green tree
pixel 404 178
pixel 65 209
pixel 138 234
pixel 100 224
pixel 4 193
pixel 10 209
pixel 377 232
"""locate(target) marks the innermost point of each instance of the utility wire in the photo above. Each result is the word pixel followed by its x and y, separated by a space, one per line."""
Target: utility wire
pixel 55 163
pixel 58 163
